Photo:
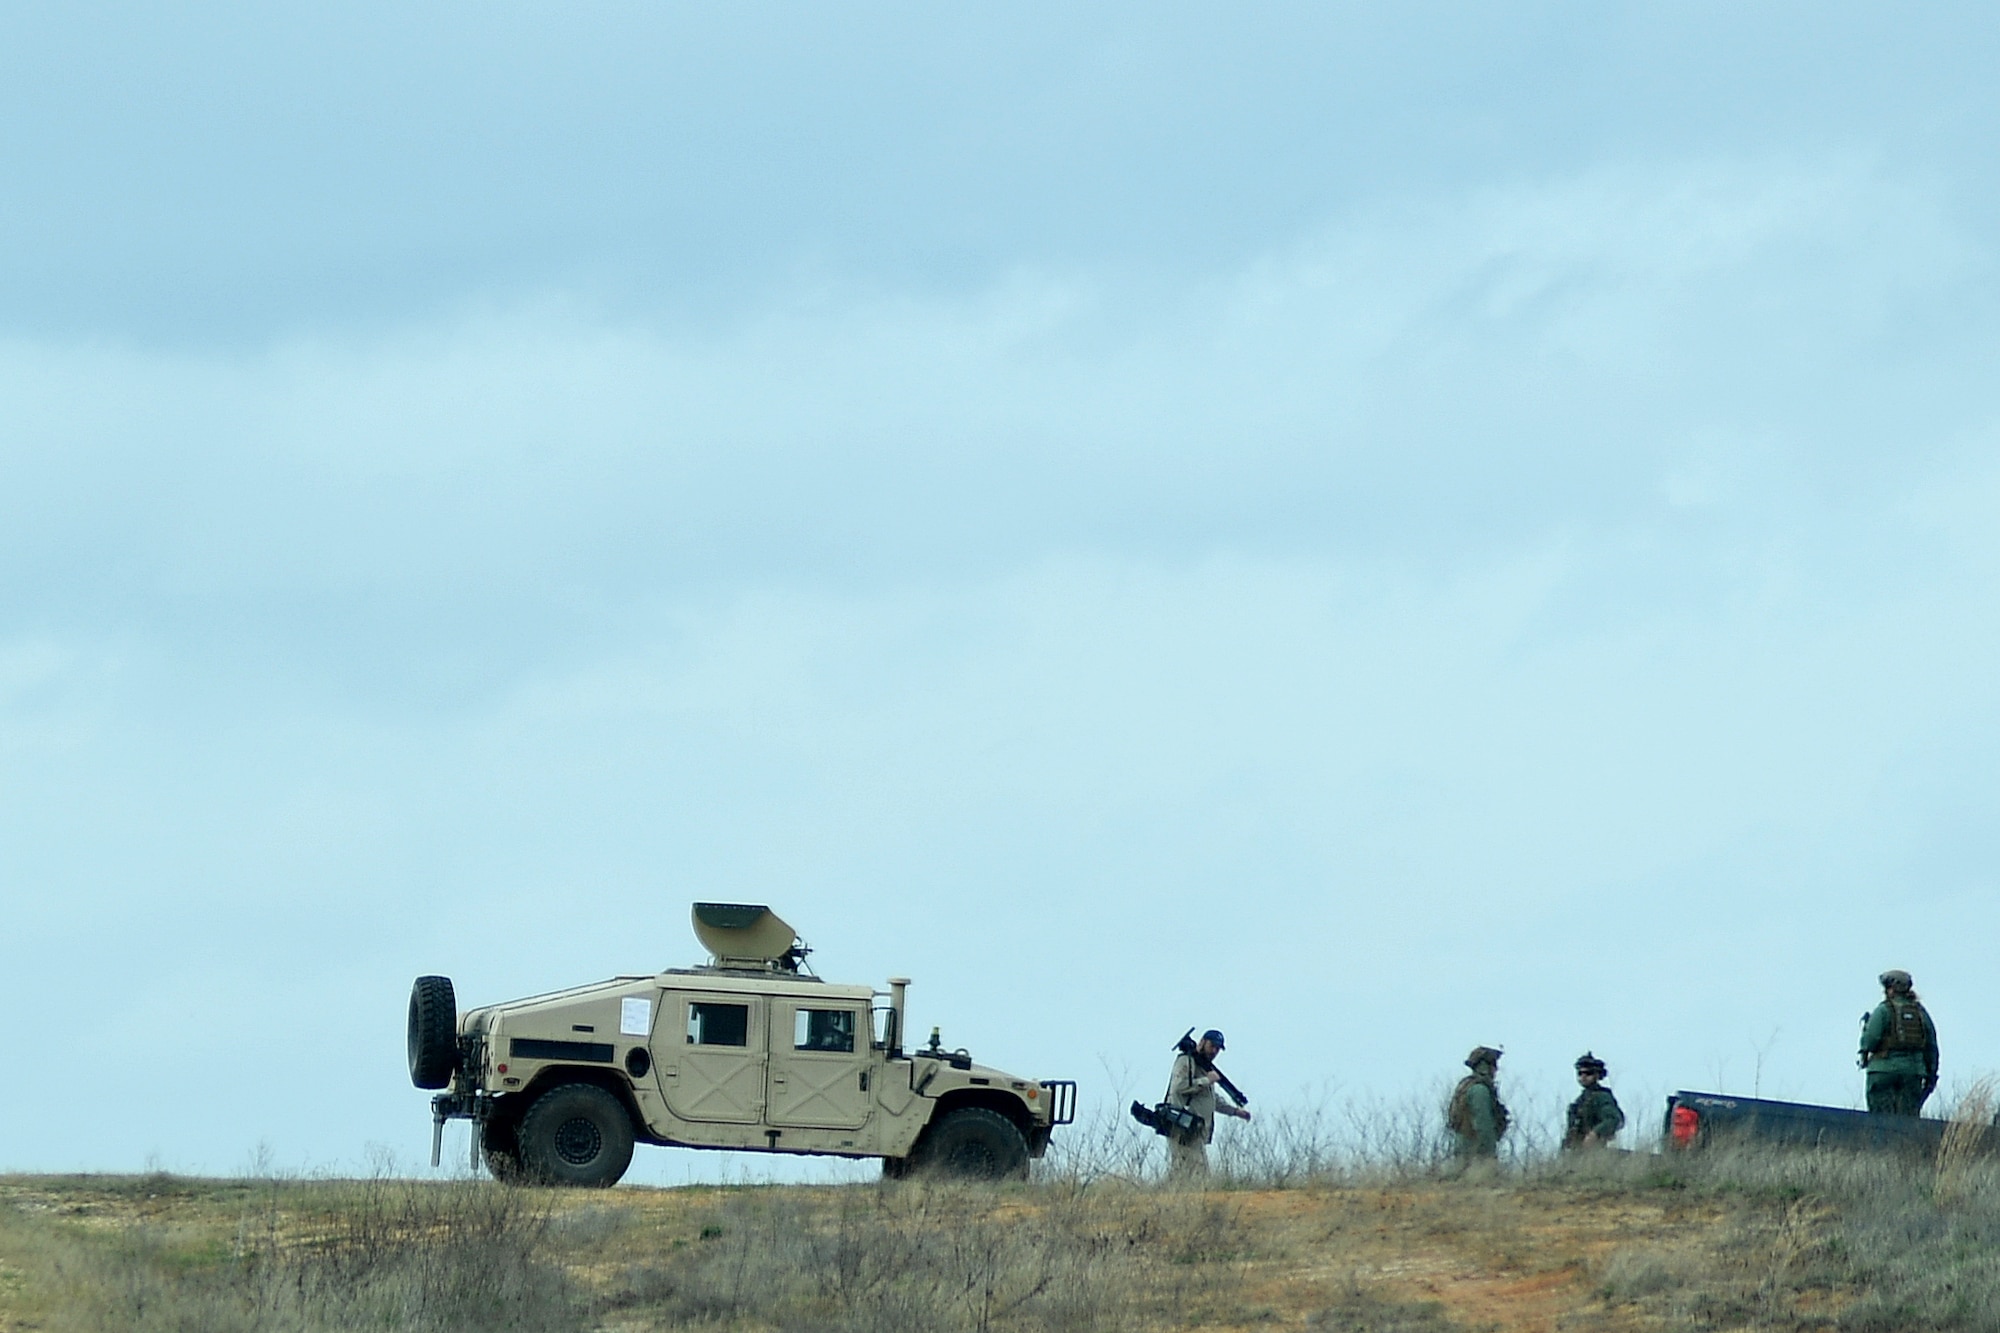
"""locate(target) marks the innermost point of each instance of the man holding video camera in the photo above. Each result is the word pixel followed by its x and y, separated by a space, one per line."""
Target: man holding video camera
pixel 1192 1086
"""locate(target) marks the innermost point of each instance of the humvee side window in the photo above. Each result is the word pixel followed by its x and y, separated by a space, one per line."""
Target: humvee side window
pixel 823 1030
pixel 718 1024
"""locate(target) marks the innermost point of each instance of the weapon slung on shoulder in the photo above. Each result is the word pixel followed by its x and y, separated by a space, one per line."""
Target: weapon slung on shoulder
pixel 1187 1046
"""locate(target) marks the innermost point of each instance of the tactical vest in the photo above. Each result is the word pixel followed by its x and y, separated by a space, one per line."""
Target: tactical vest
pixel 1574 1131
pixel 1906 1027
pixel 1458 1113
pixel 1582 1111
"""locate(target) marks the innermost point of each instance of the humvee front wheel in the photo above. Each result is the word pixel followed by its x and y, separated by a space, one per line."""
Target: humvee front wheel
pixel 974 1143
pixel 576 1134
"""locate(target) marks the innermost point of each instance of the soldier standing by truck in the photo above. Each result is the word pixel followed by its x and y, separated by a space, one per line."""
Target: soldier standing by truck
pixel 1594 1117
pixel 1475 1114
pixel 1899 1048
pixel 1192 1086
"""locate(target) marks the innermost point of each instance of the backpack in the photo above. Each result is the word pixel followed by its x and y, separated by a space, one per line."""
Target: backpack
pixel 1906 1026
pixel 1458 1113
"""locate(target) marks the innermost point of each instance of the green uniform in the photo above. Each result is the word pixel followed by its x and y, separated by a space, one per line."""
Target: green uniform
pixel 1900 1052
pixel 1594 1112
pixel 1477 1116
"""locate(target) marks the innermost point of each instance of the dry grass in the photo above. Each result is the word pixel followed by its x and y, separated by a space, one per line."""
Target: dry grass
pixel 159 1252
pixel 1612 1241
pixel 1965 1140
pixel 1055 1256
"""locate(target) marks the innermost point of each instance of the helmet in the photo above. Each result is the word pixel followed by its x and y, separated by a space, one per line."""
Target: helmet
pixel 1483 1055
pixel 1896 979
pixel 1590 1064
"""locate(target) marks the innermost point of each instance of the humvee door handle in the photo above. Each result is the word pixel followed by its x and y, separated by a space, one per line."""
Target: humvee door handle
pixel 778 1079
pixel 864 1080
pixel 671 1071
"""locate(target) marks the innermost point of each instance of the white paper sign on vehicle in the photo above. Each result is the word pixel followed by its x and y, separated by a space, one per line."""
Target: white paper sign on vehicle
pixel 635 1016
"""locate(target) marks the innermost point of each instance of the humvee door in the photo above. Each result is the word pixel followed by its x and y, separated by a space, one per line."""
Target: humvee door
pixel 711 1058
pixel 819 1064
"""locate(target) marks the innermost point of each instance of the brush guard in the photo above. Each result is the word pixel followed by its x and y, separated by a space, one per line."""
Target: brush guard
pixel 1061 1093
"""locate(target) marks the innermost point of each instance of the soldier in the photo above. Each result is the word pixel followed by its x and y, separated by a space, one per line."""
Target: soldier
pixel 1594 1117
pixel 1899 1049
pixel 1475 1113
pixel 1193 1087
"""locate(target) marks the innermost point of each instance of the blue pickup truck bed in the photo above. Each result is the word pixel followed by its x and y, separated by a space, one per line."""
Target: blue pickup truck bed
pixel 1697 1118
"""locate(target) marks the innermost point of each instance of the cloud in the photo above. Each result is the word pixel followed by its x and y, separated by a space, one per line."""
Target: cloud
pixel 1441 375
pixel 1471 584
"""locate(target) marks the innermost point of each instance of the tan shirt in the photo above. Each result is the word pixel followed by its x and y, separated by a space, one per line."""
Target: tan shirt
pixel 1184 1090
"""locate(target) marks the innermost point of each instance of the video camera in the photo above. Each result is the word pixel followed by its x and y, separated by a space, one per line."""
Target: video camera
pixel 1169 1121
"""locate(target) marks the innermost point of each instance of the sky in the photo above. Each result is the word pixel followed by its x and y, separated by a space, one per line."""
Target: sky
pixel 1378 531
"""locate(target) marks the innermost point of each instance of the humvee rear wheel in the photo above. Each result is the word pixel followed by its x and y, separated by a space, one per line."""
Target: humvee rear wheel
pixel 576 1134
pixel 974 1143
pixel 433 1032
pixel 502 1165
pixel 501 1150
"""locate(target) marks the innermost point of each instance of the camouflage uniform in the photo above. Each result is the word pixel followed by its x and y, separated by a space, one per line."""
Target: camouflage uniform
pixel 1594 1118
pixel 1899 1050
pixel 1475 1113
pixel 1596 1112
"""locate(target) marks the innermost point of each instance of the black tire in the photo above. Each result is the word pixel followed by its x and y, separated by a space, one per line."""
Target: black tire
pixel 974 1143
pixel 500 1149
pixel 895 1168
pixel 433 1032
pixel 576 1134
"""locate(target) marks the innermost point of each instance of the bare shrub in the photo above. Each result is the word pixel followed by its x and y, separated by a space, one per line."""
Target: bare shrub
pixel 1360 1310
pixel 1633 1274
pixel 1106 1144
pixel 392 1255
pixel 1396 1138
pixel 933 1256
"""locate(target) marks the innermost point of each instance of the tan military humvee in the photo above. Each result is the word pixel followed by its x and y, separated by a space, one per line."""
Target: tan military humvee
pixel 749 1052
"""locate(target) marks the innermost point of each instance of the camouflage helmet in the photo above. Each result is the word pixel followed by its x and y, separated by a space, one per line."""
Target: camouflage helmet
pixel 1896 979
pixel 1483 1055
pixel 1590 1064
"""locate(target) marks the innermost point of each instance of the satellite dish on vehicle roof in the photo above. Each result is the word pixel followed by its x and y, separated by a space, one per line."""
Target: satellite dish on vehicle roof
pixel 743 933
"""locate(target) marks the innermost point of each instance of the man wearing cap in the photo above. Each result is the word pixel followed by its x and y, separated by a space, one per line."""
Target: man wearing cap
pixel 1194 1087
pixel 1594 1117
pixel 1475 1113
pixel 1899 1048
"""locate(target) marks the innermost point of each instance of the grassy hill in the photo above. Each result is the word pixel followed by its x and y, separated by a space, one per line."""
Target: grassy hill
pixel 1723 1240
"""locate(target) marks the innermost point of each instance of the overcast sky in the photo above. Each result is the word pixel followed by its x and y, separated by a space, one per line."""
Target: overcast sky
pixel 1378 530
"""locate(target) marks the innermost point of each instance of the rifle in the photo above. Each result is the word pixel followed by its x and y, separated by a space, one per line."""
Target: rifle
pixel 1187 1046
